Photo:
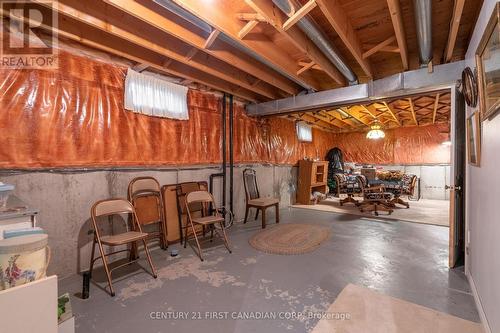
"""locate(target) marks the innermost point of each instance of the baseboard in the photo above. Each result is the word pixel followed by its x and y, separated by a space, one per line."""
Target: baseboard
pixel 479 305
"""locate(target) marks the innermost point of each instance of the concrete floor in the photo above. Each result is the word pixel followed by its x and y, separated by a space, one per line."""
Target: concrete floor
pixel 427 211
pixel 403 260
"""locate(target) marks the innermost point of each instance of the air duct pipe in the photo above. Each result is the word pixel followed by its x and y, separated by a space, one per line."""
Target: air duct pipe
pixel 181 12
pixel 423 22
pixel 320 40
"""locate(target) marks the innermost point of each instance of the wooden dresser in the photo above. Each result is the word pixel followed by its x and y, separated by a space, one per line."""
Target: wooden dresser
pixel 312 178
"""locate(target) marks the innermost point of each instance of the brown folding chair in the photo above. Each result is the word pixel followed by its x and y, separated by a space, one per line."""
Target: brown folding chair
pixel 204 198
pixel 145 195
pixel 108 208
pixel 184 189
pixel 253 199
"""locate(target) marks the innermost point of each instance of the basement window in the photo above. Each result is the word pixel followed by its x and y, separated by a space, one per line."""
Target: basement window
pixel 304 132
pixel 153 96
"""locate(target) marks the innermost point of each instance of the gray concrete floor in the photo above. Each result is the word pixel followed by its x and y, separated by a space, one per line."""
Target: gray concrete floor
pixel 404 260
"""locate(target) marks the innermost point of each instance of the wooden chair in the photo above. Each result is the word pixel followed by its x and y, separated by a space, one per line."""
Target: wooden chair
pixel 376 199
pixel 204 198
pixel 108 208
pixel 351 185
pixel 145 195
pixel 253 199
pixel 407 187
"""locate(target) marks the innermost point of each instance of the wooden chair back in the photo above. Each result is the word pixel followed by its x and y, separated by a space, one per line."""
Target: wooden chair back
pixel 250 183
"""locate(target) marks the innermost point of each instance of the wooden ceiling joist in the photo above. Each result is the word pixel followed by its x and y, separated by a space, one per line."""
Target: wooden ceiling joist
pixel 343 27
pixel 393 114
pixel 211 39
pixel 356 114
pixel 434 112
pixel 263 46
pixel 379 47
pixel 399 30
pixel 250 17
pixel 140 67
pixel 247 28
pixel 303 64
pixel 305 67
pixel 95 38
pixel 388 48
pixel 458 8
pixel 219 50
pixel 276 17
pixel 412 109
pixel 299 14
pixel 207 64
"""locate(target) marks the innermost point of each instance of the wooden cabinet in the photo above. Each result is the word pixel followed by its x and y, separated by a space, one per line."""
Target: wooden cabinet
pixel 312 178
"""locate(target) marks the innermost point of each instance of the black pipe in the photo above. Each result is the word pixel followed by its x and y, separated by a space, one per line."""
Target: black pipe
pixel 224 150
pixel 231 152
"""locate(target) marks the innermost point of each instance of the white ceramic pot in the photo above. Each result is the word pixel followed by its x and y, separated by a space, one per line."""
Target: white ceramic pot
pixel 23 259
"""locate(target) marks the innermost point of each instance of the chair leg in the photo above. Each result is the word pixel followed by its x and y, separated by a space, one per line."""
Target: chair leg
pixel 185 236
pixel 263 218
pixel 211 233
pixel 91 266
pixel 197 242
pixel 108 273
pixel 153 269
pixel 277 213
pixel 257 214
pixel 226 241
pixel 246 214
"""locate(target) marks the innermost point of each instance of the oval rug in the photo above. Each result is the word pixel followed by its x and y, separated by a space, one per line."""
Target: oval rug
pixel 292 238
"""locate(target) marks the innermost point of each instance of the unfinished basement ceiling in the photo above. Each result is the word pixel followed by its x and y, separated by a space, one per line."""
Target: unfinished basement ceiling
pixel 401 112
pixel 249 54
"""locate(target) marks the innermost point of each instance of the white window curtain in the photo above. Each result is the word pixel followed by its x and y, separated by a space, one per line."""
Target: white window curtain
pixel 304 132
pixel 155 97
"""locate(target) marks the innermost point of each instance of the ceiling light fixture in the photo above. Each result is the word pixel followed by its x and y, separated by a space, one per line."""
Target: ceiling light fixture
pixel 376 132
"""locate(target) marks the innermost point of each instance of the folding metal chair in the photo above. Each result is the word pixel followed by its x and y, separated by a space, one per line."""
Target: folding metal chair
pixel 204 198
pixel 108 208
pixel 145 195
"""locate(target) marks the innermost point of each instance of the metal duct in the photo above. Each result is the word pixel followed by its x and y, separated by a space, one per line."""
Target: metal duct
pixel 309 27
pixel 179 11
pixel 423 22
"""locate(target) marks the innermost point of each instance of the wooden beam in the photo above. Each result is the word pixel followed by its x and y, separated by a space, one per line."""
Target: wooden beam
pixel 356 115
pixel 412 109
pixel 303 11
pixel 434 111
pixel 305 67
pixel 208 64
pixel 247 28
pixel 211 39
pixel 95 38
pixel 226 22
pixel 303 64
pixel 458 8
pixel 397 23
pixel 339 119
pixel 379 47
pixel 220 49
pixel 140 67
pixel 389 48
pixel 340 22
pixel 276 17
pixel 250 17
pixel 393 114
pixel 370 112
pixel 325 119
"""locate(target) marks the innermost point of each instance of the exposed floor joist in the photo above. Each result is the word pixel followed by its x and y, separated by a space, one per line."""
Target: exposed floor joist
pixel 219 49
pixel 262 46
pixel 458 8
pixel 276 18
pixel 207 64
pixel 399 30
pixel 341 24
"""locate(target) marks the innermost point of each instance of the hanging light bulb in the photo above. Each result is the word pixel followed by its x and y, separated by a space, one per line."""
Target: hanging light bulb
pixel 376 132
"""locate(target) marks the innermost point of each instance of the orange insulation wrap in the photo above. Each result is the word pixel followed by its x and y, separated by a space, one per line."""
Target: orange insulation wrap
pixel 74 117
pixel 408 145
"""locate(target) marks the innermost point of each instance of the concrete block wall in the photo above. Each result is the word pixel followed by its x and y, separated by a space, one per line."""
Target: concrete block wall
pixel 64 200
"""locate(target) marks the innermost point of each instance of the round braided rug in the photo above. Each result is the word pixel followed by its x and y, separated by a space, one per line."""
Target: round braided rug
pixel 292 238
